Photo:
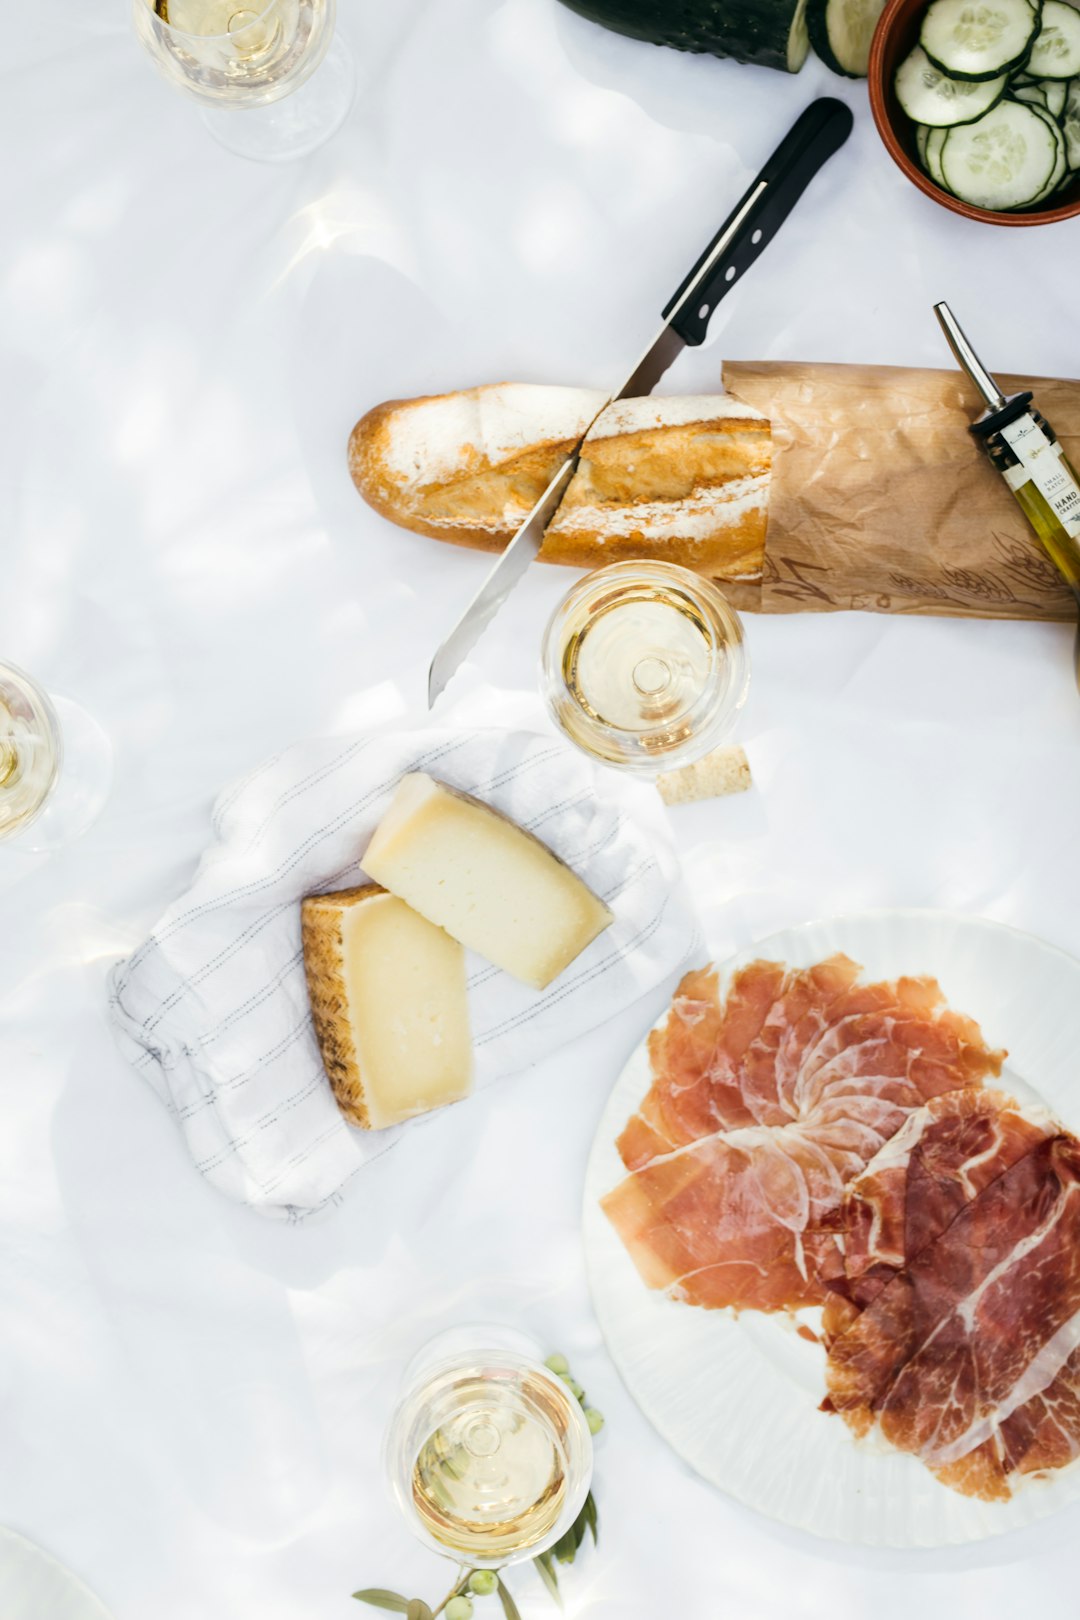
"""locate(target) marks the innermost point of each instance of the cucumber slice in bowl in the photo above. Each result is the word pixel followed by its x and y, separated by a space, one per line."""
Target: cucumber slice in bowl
pixel 931 97
pixel 978 39
pixel 928 144
pixel 935 140
pixel 1056 51
pixel 1003 160
pixel 841 31
pixel 1033 94
pixel 1057 93
pixel 1060 172
pixel 1070 124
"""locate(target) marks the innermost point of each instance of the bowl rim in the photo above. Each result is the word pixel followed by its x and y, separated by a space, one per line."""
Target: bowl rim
pixel 879 107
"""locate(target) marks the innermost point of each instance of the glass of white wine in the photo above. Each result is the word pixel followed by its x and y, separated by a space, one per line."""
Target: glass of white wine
pixel 274 79
pixel 55 765
pixel 644 665
pixel 488 1453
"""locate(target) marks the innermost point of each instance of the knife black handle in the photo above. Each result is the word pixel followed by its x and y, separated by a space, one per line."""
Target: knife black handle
pixel 813 138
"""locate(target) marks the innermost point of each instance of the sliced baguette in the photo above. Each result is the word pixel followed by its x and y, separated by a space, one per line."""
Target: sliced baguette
pixel 681 480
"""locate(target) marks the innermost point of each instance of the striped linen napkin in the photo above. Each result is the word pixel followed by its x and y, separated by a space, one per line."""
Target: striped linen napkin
pixel 213 1009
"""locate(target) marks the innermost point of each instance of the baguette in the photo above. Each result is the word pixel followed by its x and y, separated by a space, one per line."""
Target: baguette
pixel 682 480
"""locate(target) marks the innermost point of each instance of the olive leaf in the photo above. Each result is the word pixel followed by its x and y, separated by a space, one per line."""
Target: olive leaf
pixel 546 1570
pixel 510 1608
pixel 418 1610
pixel 380 1598
pixel 589 1514
pixel 565 1549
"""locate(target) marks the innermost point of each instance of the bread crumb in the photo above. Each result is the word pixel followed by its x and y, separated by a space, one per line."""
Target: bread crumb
pixel 725 770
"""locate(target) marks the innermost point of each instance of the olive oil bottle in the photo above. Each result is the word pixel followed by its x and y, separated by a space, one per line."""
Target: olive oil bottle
pixel 1023 447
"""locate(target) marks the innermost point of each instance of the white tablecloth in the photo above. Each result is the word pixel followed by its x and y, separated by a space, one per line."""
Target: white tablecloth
pixel 192 1398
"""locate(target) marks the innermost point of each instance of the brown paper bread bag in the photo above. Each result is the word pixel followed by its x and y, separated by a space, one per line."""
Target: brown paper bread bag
pixel 881 498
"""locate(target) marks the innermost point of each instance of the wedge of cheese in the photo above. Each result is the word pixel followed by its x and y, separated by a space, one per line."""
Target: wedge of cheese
pixel 388 999
pixel 490 884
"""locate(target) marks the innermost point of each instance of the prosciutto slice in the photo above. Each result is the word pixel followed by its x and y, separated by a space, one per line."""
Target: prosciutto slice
pixel 764 1106
pixel 940 1159
pixel 955 1333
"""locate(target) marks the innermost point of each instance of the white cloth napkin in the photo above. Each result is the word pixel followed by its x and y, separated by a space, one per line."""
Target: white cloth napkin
pixel 213 1009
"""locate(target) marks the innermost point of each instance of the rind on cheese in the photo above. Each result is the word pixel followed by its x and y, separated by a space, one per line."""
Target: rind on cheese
pixel 488 882
pixel 388 1001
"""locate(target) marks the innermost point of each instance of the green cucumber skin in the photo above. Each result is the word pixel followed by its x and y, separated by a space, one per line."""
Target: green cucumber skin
pixel 753 31
pixel 819 38
pixel 962 123
pixel 1009 70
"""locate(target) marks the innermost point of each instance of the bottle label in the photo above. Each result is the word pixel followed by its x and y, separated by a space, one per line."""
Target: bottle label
pixel 1048 470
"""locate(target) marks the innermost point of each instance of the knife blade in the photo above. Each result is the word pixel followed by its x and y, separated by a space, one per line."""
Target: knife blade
pixel 819 131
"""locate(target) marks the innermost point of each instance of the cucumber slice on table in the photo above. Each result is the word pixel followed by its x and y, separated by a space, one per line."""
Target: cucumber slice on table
pixel 978 39
pixel 1003 160
pixel 841 31
pixel 1070 124
pixel 929 96
pixel 1056 51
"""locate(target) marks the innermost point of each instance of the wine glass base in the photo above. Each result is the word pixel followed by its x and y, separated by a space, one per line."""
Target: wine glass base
pixel 81 789
pixel 298 123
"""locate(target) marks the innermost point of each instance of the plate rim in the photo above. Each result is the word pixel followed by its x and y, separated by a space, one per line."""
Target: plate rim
pixel 90 1605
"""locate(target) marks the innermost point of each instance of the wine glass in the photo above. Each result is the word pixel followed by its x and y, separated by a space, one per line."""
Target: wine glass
pixel 55 765
pixel 253 66
pixel 644 666
pixel 488 1453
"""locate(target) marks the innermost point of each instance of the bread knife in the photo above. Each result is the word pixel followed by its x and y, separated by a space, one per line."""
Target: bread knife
pixel 816 134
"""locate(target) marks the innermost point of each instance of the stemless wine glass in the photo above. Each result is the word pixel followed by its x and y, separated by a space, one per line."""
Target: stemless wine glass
pixel 644 666
pixel 55 765
pixel 253 66
pixel 488 1454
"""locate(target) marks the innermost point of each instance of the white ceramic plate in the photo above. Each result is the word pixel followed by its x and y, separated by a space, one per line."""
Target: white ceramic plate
pixel 738 1397
pixel 34 1586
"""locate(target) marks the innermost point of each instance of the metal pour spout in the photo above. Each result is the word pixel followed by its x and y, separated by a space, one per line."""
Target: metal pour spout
pixel 968 359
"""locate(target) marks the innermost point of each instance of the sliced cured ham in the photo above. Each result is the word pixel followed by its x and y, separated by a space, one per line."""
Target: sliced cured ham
pixel 765 1104
pixel 956 1332
pixel 940 1159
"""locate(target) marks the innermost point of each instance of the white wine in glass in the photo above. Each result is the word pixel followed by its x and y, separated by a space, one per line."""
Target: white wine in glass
pixel 644 666
pixel 30 751
pixel 489 1454
pixel 55 765
pixel 243 60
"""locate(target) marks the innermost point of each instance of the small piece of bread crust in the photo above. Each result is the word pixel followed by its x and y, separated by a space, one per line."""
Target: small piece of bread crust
pixel 724 771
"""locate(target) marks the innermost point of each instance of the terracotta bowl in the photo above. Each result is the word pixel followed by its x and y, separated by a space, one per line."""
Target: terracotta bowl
pixel 897 32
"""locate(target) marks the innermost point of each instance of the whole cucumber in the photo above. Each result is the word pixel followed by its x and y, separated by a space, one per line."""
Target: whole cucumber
pixel 770 33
